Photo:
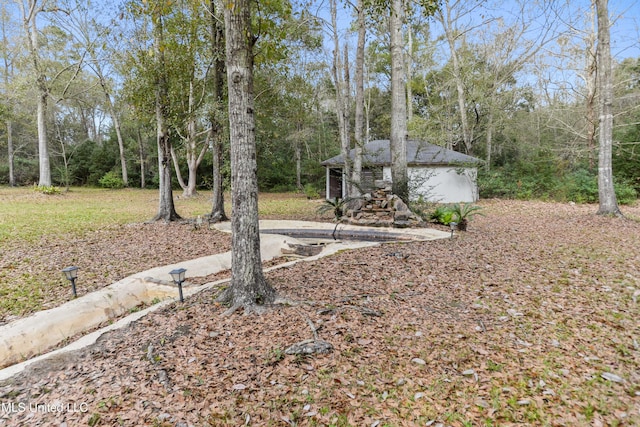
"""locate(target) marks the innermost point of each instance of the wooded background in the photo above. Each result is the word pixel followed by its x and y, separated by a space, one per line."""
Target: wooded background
pixel 510 82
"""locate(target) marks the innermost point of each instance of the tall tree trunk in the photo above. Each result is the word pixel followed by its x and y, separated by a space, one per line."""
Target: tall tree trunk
pixel 249 289
pixel 117 127
pixel 347 92
pixel 166 207
pixel 44 179
pixel 143 160
pixel 409 73
pixel 8 73
pixel 194 156
pixel 606 192
pixel 298 155
pixel 31 30
pixel 215 126
pixel 590 80
pixel 176 168
pixel 489 139
pixel 65 175
pixel 217 206
pixel 398 144
pixel 10 153
pixel 359 113
pixel 341 103
pixel 194 163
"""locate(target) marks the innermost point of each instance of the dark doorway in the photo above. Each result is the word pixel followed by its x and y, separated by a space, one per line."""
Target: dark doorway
pixel 335 183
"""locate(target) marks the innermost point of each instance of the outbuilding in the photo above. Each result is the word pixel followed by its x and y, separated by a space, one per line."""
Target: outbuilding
pixel 436 174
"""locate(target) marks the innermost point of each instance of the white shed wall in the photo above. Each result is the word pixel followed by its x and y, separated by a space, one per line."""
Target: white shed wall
pixel 441 184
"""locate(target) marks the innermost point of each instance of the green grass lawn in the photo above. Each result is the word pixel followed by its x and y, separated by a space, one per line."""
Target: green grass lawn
pixel 28 215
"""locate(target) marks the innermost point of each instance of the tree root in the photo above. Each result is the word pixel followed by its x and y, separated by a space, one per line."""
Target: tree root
pixel 314 330
pixel 216 217
pixel 248 309
pixel 163 217
pixel 226 297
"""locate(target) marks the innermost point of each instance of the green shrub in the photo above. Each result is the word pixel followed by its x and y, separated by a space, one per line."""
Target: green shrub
pixel 442 214
pixel 580 186
pixel 311 191
pixel 280 188
pixel 25 171
pixel 507 185
pixel 46 189
pixel 625 193
pixel 111 180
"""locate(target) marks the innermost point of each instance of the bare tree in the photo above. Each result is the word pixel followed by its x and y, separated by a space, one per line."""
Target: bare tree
pixel 448 15
pixel 590 79
pixel 195 146
pixel 572 114
pixel 507 52
pixel 94 37
pixel 606 191
pixel 249 288
pixel 116 123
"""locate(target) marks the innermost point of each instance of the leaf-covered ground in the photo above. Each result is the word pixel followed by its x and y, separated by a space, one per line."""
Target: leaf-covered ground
pixel 103 256
pixel 530 318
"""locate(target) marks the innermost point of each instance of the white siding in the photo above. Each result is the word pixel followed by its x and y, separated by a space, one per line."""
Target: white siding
pixel 442 184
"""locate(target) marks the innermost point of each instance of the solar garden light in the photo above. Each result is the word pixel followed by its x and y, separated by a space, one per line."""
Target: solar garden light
pixel 71 273
pixel 454 226
pixel 178 277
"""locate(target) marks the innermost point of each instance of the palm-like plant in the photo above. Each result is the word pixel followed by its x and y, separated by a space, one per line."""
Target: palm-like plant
pixel 463 212
pixel 337 205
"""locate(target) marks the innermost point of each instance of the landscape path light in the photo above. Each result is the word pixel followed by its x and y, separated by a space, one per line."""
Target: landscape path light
pixel 178 277
pixel 454 226
pixel 71 273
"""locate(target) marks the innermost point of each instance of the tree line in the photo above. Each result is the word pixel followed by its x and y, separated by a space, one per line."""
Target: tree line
pixel 513 83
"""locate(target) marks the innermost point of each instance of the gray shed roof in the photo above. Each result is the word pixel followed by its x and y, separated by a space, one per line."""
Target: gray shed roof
pixel 377 153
